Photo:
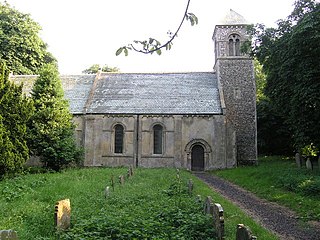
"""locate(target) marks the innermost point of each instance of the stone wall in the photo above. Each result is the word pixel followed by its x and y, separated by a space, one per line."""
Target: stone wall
pixel 238 86
pixel 180 134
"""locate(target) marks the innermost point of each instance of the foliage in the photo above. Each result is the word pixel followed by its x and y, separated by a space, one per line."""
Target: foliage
pixel 269 142
pixel 95 68
pixel 20 44
pixel 278 179
pixel 152 45
pixel 15 111
pixel 51 128
pixel 290 55
pixel 137 208
pixel 310 150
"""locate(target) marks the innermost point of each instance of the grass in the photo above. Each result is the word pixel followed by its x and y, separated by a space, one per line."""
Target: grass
pixel 142 207
pixel 279 180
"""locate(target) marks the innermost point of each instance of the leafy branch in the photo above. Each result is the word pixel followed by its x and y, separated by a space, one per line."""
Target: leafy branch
pixel 152 45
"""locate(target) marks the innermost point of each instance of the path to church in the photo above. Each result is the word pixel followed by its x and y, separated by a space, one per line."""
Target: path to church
pixel 278 219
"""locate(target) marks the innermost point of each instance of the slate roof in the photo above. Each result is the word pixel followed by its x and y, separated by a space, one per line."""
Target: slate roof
pixel 145 93
pixel 156 93
pixel 76 88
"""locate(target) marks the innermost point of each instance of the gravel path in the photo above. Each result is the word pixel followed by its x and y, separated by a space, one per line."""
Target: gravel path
pixel 278 219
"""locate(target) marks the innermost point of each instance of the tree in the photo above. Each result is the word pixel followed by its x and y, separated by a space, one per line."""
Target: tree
pixel 290 55
pixel 152 45
pixel 15 111
pixel 95 68
pixel 20 44
pixel 51 127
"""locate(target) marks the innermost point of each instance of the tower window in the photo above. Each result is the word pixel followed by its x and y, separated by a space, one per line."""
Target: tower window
pixel 157 139
pixel 118 138
pixel 234 45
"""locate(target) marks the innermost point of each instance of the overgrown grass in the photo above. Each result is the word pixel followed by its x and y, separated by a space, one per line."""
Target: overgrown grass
pixel 278 179
pixel 150 205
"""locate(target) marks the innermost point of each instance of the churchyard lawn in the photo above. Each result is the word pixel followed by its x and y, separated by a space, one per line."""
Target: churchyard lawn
pixel 152 202
pixel 280 180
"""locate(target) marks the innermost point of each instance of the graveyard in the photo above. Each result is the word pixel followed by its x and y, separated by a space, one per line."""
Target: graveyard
pixel 112 203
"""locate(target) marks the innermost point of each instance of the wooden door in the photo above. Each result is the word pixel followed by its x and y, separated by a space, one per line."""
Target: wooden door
pixel 197 158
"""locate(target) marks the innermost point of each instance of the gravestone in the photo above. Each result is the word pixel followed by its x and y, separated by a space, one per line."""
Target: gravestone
pixel 8 235
pixel 121 179
pixel 190 187
pixel 244 233
pixel 298 160
pixel 107 192
pixel 208 206
pixel 198 199
pixel 309 164
pixel 218 221
pixel 62 212
pixel 131 170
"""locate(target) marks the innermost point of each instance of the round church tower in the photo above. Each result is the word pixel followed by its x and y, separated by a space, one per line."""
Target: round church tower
pixel 235 74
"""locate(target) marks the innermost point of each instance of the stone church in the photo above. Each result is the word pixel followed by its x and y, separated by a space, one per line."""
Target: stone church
pixel 197 120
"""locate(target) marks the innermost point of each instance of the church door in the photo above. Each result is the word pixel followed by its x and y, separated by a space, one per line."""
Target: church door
pixel 197 158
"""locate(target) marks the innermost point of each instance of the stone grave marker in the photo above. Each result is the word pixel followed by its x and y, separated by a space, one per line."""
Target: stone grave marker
pixel 244 233
pixel 218 221
pixel 121 179
pixel 107 192
pixel 198 199
pixel 190 187
pixel 8 235
pixel 298 160
pixel 208 206
pixel 62 213
pixel 309 164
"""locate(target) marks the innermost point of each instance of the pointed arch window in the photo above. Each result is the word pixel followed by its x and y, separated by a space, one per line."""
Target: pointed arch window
pixel 157 139
pixel 118 138
pixel 234 45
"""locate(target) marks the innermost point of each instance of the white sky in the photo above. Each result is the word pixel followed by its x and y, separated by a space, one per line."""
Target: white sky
pixel 84 32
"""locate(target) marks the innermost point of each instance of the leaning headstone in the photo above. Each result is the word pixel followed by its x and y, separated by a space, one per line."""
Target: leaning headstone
pixel 190 187
pixel 62 214
pixel 121 179
pixel 244 233
pixel 218 221
pixel 309 164
pixel 298 160
pixel 8 235
pixel 112 182
pixel 131 171
pixel 107 192
pixel 208 206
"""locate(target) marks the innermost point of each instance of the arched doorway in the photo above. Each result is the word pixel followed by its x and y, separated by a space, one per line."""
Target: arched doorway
pixel 197 158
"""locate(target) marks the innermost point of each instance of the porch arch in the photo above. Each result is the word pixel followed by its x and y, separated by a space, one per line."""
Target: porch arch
pixel 206 152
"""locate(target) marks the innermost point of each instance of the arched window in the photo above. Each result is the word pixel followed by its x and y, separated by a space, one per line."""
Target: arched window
pixel 157 139
pixel 118 138
pixel 231 47
pixel 234 45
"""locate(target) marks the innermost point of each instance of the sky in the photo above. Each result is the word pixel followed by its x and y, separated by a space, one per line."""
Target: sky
pixel 80 33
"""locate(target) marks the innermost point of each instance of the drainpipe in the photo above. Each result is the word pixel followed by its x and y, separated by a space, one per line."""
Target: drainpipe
pixel 137 140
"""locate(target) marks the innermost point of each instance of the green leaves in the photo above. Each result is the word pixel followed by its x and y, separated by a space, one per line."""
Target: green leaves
pixel 290 57
pixel 122 49
pixel 152 45
pixel 51 128
pixel 192 18
pixel 15 111
pixel 20 44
